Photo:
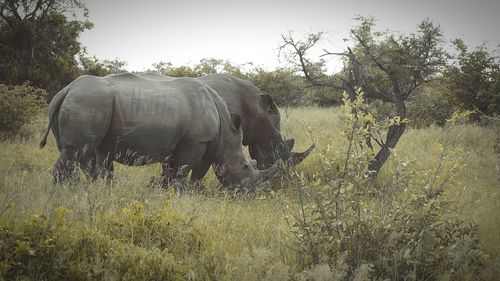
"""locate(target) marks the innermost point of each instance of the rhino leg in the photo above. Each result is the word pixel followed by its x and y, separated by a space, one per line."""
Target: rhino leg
pixel 104 166
pixel 174 175
pixel 169 170
pixel 87 160
pixel 88 166
pixel 177 167
pixel 199 172
pixel 64 168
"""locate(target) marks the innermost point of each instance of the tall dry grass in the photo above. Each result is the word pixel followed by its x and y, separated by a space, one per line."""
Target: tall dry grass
pixel 243 236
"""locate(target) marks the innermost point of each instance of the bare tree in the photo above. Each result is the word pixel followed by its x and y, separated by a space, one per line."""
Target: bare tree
pixel 384 66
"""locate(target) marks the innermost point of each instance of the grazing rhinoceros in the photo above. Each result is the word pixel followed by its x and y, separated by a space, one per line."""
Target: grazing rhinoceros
pixel 260 118
pixel 182 123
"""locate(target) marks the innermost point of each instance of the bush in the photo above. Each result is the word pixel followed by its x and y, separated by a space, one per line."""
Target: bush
pixel 323 97
pixel 289 89
pixel 474 79
pixel 18 104
pixel 404 230
pixel 431 105
pixel 131 245
pixel 286 88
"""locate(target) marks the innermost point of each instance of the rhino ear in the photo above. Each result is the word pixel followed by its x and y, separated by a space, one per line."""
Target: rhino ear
pixel 235 122
pixel 268 103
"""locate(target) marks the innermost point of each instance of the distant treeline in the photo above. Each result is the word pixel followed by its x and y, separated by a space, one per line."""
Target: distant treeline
pixel 40 47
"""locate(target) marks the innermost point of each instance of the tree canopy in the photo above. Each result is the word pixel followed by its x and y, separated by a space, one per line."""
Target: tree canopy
pixel 474 79
pixel 39 41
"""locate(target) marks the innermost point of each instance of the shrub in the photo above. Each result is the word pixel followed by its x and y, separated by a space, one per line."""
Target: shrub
pixel 431 105
pixel 286 88
pixel 18 104
pixel 289 89
pixel 131 245
pixel 404 230
pixel 323 97
pixel 474 79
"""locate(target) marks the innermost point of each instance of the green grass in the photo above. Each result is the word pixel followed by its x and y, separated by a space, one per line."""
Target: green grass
pixel 220 236
pixel 476 187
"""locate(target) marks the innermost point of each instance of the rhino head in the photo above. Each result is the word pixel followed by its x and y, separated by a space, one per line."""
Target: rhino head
pixel 232 169
pixel 267 145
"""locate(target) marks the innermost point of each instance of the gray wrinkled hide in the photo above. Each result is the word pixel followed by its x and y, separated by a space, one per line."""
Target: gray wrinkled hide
pixel 260 114
pixel 120 112
pixel 137 121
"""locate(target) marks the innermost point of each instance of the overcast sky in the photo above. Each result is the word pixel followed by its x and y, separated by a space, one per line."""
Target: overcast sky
pixel 182 32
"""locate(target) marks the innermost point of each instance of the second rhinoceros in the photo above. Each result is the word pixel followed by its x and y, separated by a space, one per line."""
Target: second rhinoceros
pixel 260 118
pixel 182 123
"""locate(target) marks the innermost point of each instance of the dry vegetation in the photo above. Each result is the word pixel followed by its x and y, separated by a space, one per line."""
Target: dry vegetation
pixel 131 230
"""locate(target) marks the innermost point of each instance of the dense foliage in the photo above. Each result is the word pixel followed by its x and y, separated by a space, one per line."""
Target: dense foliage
pixel 19 105
pixel 63 249
pixel 474 80
pixel 205 66
pixel 284 84
pixel 93 66
pixel 40 43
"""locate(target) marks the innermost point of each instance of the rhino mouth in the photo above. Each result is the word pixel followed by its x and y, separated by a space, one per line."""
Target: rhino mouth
pixel 264 175
pixel 249 183
pixel 282 152
pixel 265 172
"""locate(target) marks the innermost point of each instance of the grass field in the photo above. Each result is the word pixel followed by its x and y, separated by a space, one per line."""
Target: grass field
pixel 130 230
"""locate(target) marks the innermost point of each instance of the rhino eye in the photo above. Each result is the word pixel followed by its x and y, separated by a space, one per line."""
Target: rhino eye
pixel 246 166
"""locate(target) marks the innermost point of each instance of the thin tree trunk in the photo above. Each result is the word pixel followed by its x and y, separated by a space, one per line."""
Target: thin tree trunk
pixel 393 135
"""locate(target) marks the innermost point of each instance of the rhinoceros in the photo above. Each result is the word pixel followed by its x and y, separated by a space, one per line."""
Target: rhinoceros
pixel 260 115
pixel 182 123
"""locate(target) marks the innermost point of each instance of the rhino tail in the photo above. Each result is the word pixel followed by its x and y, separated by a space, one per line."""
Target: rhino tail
pixel 54 106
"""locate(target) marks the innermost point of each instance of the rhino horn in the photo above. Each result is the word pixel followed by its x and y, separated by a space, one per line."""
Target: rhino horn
pixel 298 157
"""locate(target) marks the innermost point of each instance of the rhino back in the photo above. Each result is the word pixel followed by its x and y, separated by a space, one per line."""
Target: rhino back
pixel 85 113
pixel 152 118
pixel 236 92
pixel 243 98
pixel 154 76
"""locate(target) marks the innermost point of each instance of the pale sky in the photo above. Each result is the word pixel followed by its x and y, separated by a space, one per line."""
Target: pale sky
pixel 143 32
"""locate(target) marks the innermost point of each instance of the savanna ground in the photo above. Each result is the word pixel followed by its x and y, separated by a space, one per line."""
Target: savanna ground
pixel 132 230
